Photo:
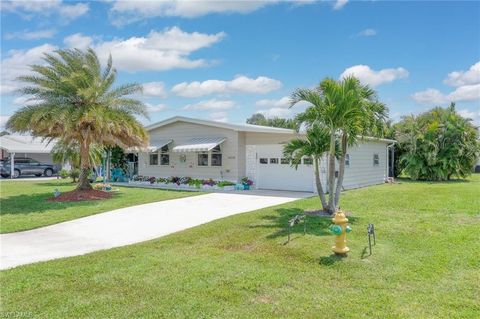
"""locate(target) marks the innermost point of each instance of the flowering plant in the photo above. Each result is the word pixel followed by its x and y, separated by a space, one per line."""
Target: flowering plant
pixel 246 181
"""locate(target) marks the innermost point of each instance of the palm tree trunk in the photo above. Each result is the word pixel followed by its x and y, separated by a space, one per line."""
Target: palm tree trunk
pixel 341 170
pixel 318 181
pixel 331 174
pixel 83 182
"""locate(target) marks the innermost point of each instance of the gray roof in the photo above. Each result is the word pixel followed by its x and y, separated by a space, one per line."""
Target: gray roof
pixel 25 144
pixel 230 126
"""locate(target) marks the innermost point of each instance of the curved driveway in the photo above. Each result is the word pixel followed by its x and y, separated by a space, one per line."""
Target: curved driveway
pixel 130 225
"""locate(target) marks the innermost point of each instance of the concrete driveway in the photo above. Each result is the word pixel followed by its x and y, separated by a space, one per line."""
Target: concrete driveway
pixel 130 225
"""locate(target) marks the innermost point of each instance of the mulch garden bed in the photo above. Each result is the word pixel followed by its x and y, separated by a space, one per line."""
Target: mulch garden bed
pixel 80 195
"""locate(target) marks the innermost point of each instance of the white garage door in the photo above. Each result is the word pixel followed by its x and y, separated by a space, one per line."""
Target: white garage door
pixel 275 173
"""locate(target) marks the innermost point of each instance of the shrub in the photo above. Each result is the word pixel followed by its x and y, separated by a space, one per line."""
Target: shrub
pixel 152 180
pixel 195 182
pixel 209 182
pixel 439 144
pixel 74 174
pixel 162 180
pixel 225 183
pixel 64 173
pixel 247 181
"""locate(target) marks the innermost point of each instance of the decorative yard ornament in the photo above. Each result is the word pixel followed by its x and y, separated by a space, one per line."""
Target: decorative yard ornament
pixel 340 230
pixel 370 232
pixel 56 193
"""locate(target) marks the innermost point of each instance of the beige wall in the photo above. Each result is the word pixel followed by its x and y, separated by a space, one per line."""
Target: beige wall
pixel 181 132
pixel 252 138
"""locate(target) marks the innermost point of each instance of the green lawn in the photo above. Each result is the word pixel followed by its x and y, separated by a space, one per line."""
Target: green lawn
pixel 23 203
pixel 425 265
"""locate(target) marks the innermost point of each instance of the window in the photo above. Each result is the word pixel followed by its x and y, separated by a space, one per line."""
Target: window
pixel 274 161
pixel 203 159
pixel 284 161
pixel 164 156
pixel 164 159
pixel 347 160
pixel 376 160
pixel 154 159
pixel 307 161
pixel 216 159
pixel 264 161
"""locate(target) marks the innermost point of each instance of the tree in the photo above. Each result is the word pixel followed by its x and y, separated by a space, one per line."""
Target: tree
pixel 439 144
pixel 347 109
pixel 260 119
pixel 77 105
pixel 315 145
pixel 63 153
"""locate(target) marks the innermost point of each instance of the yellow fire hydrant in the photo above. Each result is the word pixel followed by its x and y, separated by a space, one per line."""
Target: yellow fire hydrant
pixel 340 229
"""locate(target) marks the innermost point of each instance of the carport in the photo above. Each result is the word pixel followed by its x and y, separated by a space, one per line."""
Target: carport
pixel 24 145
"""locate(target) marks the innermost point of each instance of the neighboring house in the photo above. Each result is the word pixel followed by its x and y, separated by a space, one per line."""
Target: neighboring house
pixel 26 146
pixel 182 146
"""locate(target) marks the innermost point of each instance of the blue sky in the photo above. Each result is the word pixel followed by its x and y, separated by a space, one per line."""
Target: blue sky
pixel 227 60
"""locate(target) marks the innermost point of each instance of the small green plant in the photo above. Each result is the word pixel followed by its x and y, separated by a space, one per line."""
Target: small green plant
pixel 225 183
pixel 197 183
pixel 74 174
pixel 64 173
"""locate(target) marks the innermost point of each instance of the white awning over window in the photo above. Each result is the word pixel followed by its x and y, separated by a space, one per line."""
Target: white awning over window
pixel 199 144
pixel 156 146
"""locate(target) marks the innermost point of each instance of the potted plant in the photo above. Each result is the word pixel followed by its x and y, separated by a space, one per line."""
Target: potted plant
pixel 246 183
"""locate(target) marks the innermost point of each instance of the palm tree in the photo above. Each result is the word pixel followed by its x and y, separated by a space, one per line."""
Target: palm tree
pixel 63 153
pixel 348 110
pixel 77 105
pixel 315 145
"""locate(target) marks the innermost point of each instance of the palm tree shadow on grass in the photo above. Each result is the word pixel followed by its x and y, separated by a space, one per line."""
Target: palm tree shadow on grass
pixel 316 225
pixel 37 204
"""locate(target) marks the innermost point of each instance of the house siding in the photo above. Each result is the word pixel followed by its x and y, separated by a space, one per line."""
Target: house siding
pixel 181 132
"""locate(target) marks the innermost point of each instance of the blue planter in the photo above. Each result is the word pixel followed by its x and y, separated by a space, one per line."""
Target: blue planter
pixel 246 187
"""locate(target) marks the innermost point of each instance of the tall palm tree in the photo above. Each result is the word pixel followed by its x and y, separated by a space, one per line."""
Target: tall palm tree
pixel 349 110
pixel 63 153
pixel 76 104
pixel 315 145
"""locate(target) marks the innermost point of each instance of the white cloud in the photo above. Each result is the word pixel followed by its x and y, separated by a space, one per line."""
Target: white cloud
pixel 156 108
pixel 461 94
pixel 367 33
pixel 375 78
pixel 31 35
pixel 219 116
pixel 283 102
pixel 125 12
pixel 339 4
pixel 468 114
pixel 240 84
pixel 429 96
pixel 276 112
pixel 3 121
pixel 24 101
pixel 156 89
pixel 78 41
pixel 467 85
pixel 28 9
pixel 159 50
pixel 17 63
pixel 213 104
pixel 460 78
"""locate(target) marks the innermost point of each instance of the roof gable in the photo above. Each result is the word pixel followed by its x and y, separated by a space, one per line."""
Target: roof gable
pixel 228 126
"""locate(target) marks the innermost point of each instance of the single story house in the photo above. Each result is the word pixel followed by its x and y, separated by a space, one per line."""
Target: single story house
pixel 182 146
